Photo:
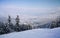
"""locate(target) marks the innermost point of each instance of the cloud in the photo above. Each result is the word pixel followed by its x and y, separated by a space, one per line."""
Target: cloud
pixel 27 13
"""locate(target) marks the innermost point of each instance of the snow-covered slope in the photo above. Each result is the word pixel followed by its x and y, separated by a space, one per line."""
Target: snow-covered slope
pixel 35 33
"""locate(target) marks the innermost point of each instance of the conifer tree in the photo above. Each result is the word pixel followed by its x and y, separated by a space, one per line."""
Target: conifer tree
pixel 9 19
pixel 17 20
pixel 17 28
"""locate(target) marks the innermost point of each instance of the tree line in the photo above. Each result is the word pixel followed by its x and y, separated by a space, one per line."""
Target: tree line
pixel 10 27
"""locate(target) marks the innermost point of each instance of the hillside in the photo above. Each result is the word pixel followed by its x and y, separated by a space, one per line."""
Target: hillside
pixel 35 33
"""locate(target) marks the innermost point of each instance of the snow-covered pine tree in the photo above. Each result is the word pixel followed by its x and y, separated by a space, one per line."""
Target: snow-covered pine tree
pixel 17 20
pixel 17 27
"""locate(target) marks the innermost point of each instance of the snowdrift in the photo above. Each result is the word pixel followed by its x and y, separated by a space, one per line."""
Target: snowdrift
pixel 35 33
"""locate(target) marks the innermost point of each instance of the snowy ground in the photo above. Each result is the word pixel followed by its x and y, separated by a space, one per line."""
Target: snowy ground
pixel 35 33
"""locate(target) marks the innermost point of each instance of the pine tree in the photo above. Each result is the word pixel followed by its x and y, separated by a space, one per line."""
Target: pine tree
pixel 17 20
pixel 10 25
pixel 9 19
pixel 17 28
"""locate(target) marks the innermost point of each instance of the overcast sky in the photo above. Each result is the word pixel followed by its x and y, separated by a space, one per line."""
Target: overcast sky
pixel 30 7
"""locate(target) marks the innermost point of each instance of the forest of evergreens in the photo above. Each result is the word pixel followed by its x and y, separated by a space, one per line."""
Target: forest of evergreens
pixel 10 27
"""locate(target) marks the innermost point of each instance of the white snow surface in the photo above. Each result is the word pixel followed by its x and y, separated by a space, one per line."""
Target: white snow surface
pixel 34 33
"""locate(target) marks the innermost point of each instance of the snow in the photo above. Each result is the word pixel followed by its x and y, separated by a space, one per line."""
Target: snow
pixel 34 33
